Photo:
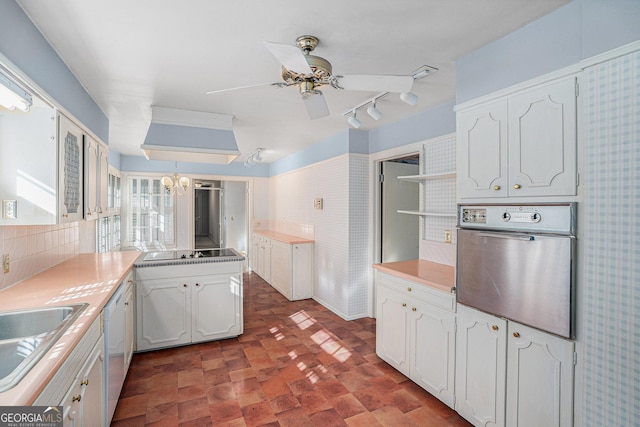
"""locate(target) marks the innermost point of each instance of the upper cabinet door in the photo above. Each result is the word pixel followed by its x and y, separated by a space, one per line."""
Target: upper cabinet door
pixel 482 151
pixel 103 180
pixel 542 140
pixel 70 180
pixel 90 178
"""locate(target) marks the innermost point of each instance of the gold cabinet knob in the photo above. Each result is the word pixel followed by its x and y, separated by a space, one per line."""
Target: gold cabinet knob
pixel 413 309
pixel 197 284
pixel 184 285
pixel 496 187
pixel 404 304
pixel 76 398
pixel 85 382
pixel 409 289
pixel 516 186
pixel 495 327
pixel 516 335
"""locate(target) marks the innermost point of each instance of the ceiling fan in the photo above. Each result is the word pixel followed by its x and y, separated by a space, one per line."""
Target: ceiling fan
pixel 309 72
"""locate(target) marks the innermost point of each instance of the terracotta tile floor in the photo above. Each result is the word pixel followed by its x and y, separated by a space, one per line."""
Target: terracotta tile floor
pixel 297 364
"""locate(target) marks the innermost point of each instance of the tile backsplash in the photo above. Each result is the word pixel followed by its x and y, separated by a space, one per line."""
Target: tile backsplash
pixel 33 249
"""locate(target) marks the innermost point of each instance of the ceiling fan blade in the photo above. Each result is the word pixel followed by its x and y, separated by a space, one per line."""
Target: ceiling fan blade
pixel 375 83
pixel 316 105
pixel 290 57
pixel 211 92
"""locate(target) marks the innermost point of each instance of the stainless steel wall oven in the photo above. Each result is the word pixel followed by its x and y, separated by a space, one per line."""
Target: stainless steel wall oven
pixel 517 262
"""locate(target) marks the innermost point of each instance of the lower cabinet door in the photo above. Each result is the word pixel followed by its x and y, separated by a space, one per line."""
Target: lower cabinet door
pixel 432 351
pixel 539 378
pixel 392 327
pixel 93 388
pixel 164 317
pixel 71 406
pixel 215 307
pixel 480 367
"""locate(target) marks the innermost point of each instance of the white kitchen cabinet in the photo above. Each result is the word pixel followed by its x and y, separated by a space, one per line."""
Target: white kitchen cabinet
pixel 508 374
pixel 78 385
pixel 96 176
pixel 292 269
pixel 70 170
pixel 181 304
pixel 415 333
pixel 129 321
pixel 521 145
pixel 286 266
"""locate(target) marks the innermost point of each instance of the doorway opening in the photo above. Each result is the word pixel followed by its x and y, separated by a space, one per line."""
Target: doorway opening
pixel 220 215
pixel 399 232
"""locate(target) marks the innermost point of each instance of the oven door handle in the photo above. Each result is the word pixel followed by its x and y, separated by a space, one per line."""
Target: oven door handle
pixel 509 236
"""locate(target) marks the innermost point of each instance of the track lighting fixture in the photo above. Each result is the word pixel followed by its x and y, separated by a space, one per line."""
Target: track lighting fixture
pixel 353 121
pixel 407 97
pixel 255 157
pixel 373 111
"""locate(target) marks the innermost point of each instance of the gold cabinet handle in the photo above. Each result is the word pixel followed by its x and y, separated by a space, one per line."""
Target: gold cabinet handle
pixel 516 335
pixel 76 398
pixel 85 382
pixel 495 327
pixel 516 186
pixel 130 281
pixel 496 187
pixel 409 289
pixel 413 309
pixel 404 304
pixel 65 215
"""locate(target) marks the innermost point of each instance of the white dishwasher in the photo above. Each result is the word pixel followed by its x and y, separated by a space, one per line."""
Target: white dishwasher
pixel 114 325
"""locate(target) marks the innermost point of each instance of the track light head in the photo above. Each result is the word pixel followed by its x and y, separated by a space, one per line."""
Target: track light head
pixel 409 98
pixel 374 112
pixel 353 121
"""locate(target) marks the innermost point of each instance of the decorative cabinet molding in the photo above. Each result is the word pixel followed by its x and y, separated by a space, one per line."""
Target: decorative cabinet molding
pixel 415 333
pixel 70 170
pixel 183 304
pixel 96 177
pixel 503 369
pixel 521 145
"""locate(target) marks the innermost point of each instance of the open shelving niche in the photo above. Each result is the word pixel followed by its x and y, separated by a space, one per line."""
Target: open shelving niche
pixel 437 180
pixel 422 179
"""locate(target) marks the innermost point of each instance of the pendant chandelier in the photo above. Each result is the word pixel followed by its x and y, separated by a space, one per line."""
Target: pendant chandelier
pixel 176 184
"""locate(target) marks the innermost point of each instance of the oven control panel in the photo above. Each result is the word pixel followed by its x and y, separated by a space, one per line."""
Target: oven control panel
pixel 550 218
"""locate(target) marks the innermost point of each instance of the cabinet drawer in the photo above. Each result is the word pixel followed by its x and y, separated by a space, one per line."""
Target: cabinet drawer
pixel 422 293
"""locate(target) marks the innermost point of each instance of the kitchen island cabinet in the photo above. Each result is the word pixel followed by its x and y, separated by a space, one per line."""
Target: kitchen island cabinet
pixel 508 374
pixel 520 145
pixel 285 262
pixel 188 303
pixel 415 330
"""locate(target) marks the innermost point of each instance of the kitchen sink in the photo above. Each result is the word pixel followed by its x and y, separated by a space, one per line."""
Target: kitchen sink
pixel 26 335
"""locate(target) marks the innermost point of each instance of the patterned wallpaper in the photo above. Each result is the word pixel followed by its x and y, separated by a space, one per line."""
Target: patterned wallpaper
pixel 340 227
pixel 611 287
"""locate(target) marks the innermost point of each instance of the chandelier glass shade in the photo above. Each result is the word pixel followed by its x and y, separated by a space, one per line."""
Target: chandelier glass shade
pixel 176 184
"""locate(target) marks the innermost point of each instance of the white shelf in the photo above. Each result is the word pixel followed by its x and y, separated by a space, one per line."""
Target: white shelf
pixel 424 213
pixel 420 178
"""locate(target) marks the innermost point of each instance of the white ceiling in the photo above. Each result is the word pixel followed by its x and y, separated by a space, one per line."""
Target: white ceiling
pixel 130 55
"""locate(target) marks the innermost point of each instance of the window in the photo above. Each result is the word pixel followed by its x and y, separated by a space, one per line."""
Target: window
pixel 113 191
pixel 108 234
pixel 151 214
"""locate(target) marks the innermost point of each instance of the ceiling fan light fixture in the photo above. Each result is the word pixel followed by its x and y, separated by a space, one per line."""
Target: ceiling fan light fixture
pixel 374 112
pixel 409 98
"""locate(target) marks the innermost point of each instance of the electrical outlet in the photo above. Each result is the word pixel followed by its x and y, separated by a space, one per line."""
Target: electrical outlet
pixel 5 263
pixel 447 236
pixel 317 203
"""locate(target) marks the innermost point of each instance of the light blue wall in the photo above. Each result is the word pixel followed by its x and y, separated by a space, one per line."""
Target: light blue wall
pixel 437 121
pixel 189 136
pixel 141 164
pixel 24 46
pixel 574 32
pixel 114 159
